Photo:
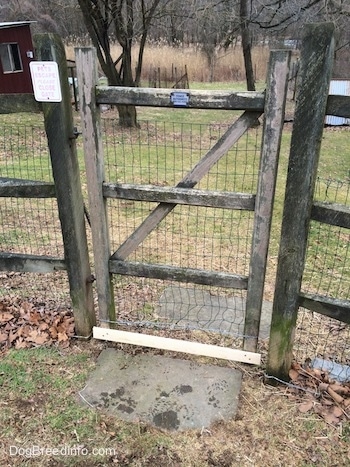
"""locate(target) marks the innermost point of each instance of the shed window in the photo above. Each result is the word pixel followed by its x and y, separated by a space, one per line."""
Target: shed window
pixel 10 58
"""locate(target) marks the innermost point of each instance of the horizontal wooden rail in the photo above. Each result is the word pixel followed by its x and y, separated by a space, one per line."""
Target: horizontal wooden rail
pixel 332 307
pixel 331 213
pixel 161 194
pixel 176 345
pixel 338 106
pixel 164 272
pixel 30 263
pixel 18 188
pixel 194 99
pixel 14 103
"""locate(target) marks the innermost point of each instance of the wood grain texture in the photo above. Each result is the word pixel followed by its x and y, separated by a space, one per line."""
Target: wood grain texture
pixel 151 97
pixel 316 63
pixel 276 96
pixel 59 128
pixel 176 345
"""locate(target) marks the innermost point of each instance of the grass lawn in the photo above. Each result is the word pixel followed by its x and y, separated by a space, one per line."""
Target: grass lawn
pixel 40 408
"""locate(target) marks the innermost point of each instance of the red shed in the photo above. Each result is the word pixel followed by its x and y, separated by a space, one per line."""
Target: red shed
pixel 16 52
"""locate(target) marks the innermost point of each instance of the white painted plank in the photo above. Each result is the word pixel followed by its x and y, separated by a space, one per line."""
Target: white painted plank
pixel 176 345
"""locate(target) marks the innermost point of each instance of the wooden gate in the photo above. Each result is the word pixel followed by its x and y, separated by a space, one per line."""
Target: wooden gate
pixel 271 103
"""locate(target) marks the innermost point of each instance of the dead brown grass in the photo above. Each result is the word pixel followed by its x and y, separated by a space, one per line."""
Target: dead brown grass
pixel 227 65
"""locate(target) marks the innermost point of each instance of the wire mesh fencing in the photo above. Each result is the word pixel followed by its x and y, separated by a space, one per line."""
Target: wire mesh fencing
pixel 327 273
pixel 213 239
pixel 29 225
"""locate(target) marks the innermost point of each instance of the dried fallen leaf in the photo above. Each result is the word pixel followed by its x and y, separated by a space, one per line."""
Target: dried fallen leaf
pixel 3 337
pixel 53 332
pixel 38 338
pixel 5 317
pixel 293 374
pixel 337 411
pixel 43 326
pixel 62 336
pixel 34 317
pixel 331 419
pixel 21 344
pixel 24 324
pixel 306 406
pixel 12 336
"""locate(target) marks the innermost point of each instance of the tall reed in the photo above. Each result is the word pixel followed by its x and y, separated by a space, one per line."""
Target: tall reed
pixel 220 66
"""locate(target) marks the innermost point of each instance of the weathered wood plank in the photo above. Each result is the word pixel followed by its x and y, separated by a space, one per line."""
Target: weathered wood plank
pixel 331 213
pixel 161 194
pixel 315 73
pixel 276 96
pixel 196 276
pixel 60 132
pixel 14 103
pixel 334 308
pixel 232 135
pixel 338 106
pixel 176 345
pixel 151 97
pixel 30 263
pixel 18 188
pixel 86 63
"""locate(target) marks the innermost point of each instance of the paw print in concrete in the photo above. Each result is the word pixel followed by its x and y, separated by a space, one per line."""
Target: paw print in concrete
pixel 215 392
pixel 118 400
pixel 168 411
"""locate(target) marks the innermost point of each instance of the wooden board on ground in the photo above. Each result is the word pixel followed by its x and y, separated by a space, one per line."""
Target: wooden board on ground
pixel 176 345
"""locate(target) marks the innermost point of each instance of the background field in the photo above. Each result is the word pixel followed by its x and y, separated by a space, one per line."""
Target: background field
pixel 227 66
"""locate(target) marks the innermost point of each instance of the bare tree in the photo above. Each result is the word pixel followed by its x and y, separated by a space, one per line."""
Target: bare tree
pixel 279 15
pixel 244 15
pixel 286 17
pixel 126 20
pixel 62 16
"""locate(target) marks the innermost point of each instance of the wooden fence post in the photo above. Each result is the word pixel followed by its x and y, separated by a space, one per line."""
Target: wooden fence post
pixel 315 73
pixel 275 102
pixel 61 140
pixel 86 62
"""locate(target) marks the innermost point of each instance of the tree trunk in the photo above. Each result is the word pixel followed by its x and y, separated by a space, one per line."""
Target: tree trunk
pixel 246 46
pixel 127 116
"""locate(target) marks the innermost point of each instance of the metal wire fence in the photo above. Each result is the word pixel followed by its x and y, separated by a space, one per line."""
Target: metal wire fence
pixel 161 153
pixel 190 237
pixel 327 273
pixel 29 225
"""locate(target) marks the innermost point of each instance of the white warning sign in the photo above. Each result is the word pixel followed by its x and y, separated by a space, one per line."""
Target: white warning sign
pixel 46 81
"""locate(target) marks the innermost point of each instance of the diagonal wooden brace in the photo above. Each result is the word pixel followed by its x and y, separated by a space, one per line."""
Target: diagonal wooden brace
pixel 232 135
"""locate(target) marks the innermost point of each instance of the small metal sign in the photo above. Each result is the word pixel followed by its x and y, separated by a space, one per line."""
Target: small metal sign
pixel 180 98
pixel 46 81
